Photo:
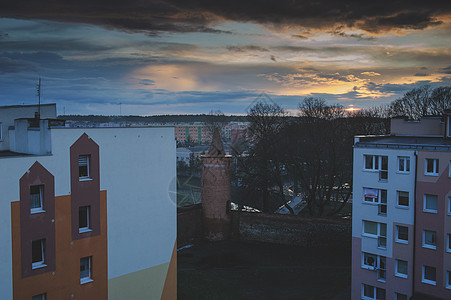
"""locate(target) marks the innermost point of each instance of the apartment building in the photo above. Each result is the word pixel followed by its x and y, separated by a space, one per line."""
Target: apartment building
pixel 401 223
pixel 87 213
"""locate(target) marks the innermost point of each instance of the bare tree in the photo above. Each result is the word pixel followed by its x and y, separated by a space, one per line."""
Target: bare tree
pixel 263 164
pixel 422 101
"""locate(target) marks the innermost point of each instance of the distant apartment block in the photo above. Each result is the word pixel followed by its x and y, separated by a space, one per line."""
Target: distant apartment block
pixel 401 225
pixel 196 134
pixel 86 213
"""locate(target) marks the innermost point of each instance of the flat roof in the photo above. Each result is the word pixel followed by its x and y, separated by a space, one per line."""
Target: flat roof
pixel 404 142
pixel 25 105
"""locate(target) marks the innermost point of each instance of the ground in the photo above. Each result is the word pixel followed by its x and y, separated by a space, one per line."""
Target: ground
pixel 252 270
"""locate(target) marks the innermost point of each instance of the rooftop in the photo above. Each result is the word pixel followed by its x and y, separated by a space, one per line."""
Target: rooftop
pixel 403 142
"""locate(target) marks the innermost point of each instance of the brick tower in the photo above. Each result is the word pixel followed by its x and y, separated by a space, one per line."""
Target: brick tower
pixel 216 191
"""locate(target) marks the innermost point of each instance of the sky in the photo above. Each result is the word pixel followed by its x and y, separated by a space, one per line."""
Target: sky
pixel 141 57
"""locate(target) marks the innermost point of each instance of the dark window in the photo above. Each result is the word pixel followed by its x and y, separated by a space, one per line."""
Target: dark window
pixel 36 197
pixel 37 253
pixel 84 218
pixel 83 166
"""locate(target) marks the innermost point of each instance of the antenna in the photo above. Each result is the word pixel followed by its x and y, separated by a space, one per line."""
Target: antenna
pixel 39 97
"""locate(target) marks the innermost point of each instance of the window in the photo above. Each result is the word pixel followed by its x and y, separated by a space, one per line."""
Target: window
pixel 429 239
pixel 84 219
pixel 428 275
pixel 448 244
pixel 375 263
pixel 377 163
pixel 402 234
pixel 449 172
pixel 38 297
pixel 401 268
pixel 1 137
pixel 83 166
pixel 85 269
pixel 399 296
pixel 377 230
pixel 430 203
pixel 370 292
pixel 449 206
pixel 403 199
pixel 431 167
pixel 448 279
pixel 38 254
pixel 378 197
pixel 36 198
pixel 403 164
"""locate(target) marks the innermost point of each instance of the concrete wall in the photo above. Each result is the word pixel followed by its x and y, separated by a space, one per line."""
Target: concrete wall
pixel 9 113
pixel 138 171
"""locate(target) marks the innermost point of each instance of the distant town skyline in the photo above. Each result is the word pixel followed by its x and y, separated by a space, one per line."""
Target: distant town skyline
pixel 191 57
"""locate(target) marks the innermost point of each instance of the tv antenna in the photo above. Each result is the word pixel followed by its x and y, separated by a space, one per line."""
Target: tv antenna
pixel 39 97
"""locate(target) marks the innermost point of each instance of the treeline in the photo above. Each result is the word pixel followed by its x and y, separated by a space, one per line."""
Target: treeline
pixel 312 154
pixel 203 118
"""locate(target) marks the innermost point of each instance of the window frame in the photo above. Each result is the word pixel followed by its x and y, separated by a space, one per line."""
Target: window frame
pixel 398 197
pixel 41 297
pixel 435 166
pixel 397 239
pixel 40 209
pixel 448 280
pixel 1 132
pixel 399 274
pixel 425 280
pixel 374 289
pixel 88 220
pixel 41 263
pixel 87 278
pixel 448 243
pixel 428 210
pixel 406 160
pixel 449 206
pixel 397 295
pixel 88 167
pixel 380 200
pixel 434 235
pixel 378 236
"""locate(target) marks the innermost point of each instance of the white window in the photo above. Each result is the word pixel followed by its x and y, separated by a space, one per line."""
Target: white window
pixel 85 269
pixel 36 198
pixel 401 268
pixel 428 275
pixel 429 239
pixel 402 234
pixel 376 230
pixel 83 166
pixel 38 254
pixel 376 263
pixel 431 167
pixel 370 292
pixel 377 163
pixel 399 296
pixel 38 297
pixel 430 203
pixel 376 196
pixel 403 164
pixel 84 215
pixel 403 199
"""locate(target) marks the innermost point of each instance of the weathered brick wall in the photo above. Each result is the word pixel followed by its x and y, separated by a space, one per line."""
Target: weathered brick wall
pixel 285 229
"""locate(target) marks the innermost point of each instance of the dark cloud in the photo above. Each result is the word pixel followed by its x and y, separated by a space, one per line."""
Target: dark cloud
pixel 421 74
pixel 202 15
pixel 447 70
pixel 360 37
pixel 248 48
pixel 273 58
